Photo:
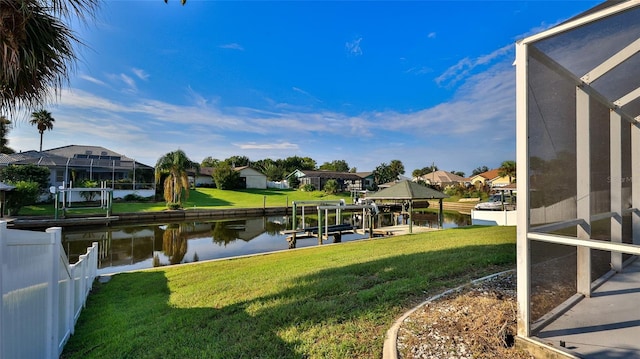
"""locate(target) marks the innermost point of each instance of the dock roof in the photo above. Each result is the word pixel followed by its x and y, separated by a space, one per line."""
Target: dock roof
pixel 407 190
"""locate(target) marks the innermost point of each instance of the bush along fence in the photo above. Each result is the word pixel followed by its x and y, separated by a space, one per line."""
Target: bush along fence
pixel 42 294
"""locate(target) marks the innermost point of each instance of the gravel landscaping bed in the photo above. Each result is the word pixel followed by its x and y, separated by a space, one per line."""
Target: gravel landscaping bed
pixel 476 321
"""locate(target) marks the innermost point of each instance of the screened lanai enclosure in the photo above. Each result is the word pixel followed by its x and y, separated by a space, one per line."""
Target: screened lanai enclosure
pixel 578 154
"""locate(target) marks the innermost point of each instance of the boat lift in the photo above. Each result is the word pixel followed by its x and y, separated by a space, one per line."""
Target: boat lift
pixel 324 229
pixel 63 198
pixel 316 203
pixel 373 209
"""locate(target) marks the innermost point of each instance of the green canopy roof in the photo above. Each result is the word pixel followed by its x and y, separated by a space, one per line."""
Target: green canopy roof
pixel 407 190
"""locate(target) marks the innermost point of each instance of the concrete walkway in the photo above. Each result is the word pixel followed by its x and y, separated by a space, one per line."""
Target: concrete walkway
pixel 607 325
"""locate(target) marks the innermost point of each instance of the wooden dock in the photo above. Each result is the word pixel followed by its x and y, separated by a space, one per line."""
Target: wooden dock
pixel 396 230
pixel 336 231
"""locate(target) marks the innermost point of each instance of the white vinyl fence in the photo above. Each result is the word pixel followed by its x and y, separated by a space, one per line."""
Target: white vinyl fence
pixel 494 218
pixel 278 185
pixel 42 295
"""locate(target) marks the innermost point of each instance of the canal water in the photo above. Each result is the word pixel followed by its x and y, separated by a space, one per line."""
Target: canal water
pixel 139 246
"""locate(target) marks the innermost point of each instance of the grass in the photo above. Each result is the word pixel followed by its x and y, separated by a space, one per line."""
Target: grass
pixel 320 302
pixel 201 198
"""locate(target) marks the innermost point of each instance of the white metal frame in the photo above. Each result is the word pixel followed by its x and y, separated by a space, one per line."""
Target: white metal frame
pixel 583 241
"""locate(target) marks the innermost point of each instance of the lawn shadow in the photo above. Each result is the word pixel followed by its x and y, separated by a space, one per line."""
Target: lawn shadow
pixel 200 199
pixel 267 192
pixel 141 323
pixel 305 320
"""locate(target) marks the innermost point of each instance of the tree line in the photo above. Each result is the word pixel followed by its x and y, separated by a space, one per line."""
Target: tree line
pixel 279 169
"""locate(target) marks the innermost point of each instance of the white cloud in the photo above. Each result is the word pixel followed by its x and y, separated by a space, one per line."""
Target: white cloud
pixel 141 74
pixel 431 35
pixel 232 46
pixel 464 67
pixel 481 113
pixel 478 105
pixel 296 89
pixel 85 100
pixel 93 79
pixel 129 82
pixel 353 47
pixel 267 146
pixel 419 70
pixel 303 92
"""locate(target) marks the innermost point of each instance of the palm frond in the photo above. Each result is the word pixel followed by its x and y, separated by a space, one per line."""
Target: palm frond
pixel 37 49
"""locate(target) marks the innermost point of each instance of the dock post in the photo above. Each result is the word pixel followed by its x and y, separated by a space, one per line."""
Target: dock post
pixel 410 216
pixel 440 216
pixel 292 241
pixel 294 213
pixel 319 225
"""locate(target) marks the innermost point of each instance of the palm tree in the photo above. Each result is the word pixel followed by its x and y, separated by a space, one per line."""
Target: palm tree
pixel 508 168
pixel 5 124
pixel 176 184
pixel 37 48
pixel 43 121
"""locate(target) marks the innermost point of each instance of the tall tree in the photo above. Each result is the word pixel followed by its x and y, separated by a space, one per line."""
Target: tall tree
pixel 43 121
pixel 397 168
pixel 335 165
pixel 479 170
pixel 176 184
pixel 238 161
pixel 272 171
pixel 424 170
pixel 383 174
pixel 209 162
pixel 508 168
pixel 225 176
pixel 293 163
pixel 37 48
pixel 5 124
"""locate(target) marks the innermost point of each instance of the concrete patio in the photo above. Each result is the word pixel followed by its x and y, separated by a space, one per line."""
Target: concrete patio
pixel 607 325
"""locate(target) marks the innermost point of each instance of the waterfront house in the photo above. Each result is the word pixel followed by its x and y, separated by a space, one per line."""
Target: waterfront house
pixel 252 178
pixel 490 179
pixel 75 163
pixel 368 179
pixel 249 176
pixel 442 179
pixel 347 181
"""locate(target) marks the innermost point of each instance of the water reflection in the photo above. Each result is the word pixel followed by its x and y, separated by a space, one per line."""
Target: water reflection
pixel 138 246
pixel 451 219
pixel 174 243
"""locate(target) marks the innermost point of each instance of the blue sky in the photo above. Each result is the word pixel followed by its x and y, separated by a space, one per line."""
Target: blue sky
pixel 366 82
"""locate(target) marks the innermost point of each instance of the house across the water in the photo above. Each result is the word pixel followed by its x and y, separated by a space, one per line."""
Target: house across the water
pixel 73 164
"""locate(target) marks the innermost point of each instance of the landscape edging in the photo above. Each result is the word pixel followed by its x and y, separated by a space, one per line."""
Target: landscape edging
pixel 390 347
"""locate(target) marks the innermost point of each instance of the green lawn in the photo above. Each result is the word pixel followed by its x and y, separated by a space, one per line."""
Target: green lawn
pixel 320 302
pixel 202 198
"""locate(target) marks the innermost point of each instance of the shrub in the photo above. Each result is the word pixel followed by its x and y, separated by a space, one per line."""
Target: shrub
pixel 28 173
pixel 173 205
pixel 294 182
pixel 88 195
pixel 331 186
pixel 226 177
pixel 132 197
pixel 25 193
pixel 308 187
